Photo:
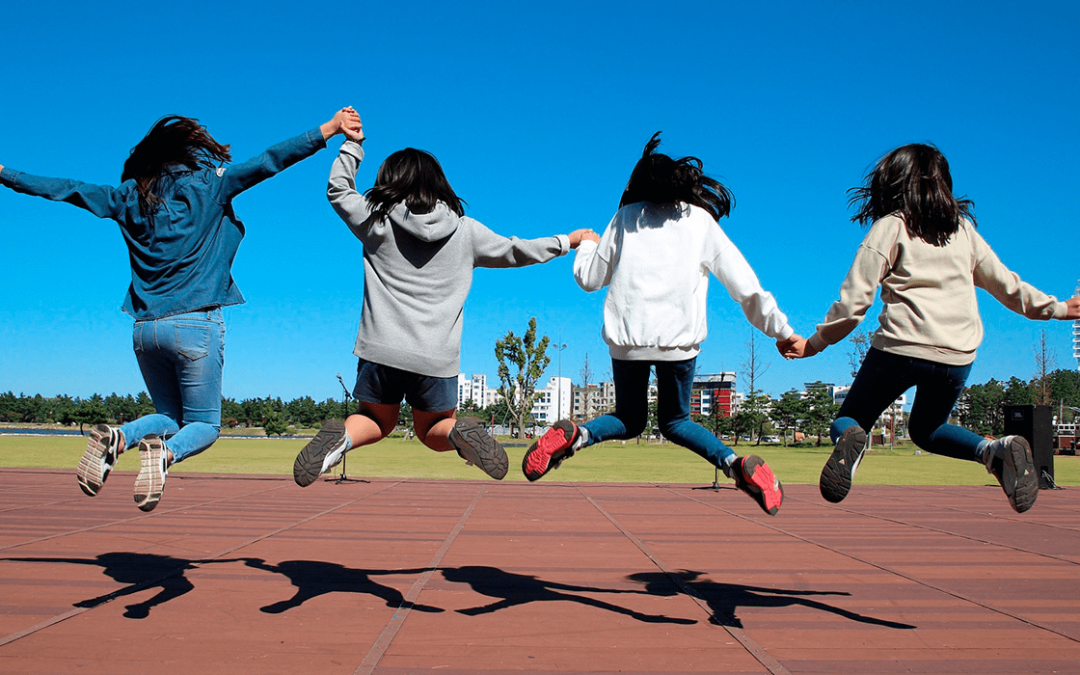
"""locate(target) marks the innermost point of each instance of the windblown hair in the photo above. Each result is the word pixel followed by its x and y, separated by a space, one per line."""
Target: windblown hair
pixel 416 178
pixel 172 140
pixel 660 179
pixel 914 182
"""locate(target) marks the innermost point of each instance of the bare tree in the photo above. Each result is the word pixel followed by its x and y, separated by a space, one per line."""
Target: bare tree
pixel 754 368
pixel 1045 363
pixel 860 344
pixel 588 404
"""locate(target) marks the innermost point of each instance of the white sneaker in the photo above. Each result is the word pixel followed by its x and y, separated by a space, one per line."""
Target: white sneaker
pixel 103 446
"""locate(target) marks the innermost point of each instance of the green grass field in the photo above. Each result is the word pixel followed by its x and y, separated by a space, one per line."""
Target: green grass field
pixel 608 462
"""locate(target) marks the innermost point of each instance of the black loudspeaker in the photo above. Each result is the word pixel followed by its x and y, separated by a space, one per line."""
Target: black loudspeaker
pixel 1035 423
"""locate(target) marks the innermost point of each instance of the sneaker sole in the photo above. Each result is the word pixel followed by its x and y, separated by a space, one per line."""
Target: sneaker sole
pixel 539 460
pixel 836 475
pixel 1019 474
pixel 762 477
pixel 309 463
pixel 478 448
pixel 150 482
pixel 90 473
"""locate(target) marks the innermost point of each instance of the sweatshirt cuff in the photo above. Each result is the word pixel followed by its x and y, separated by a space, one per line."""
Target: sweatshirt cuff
pixel 1061 310
pixel 353 149
pixel 817 342
pixel 564 243
pixel 785 332
pixel 7 175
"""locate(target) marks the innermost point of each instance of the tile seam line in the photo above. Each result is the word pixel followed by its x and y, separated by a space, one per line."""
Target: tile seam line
pixel 753 648
pixel 390 630
pixel 120 521
pixel 889 570
pixel 1006 515
pixel 149 583
pixel 951 533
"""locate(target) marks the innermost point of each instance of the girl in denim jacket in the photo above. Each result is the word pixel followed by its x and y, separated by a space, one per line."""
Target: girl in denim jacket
pixel 174 209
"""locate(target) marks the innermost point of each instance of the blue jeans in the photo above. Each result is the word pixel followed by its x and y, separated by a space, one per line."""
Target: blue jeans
pixel 880 381
pixel 181 359
pixel 674 382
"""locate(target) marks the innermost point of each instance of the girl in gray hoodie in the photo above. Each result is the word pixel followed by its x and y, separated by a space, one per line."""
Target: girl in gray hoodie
pixel 419 254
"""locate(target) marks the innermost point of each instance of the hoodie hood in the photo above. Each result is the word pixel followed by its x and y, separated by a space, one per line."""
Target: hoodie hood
pixel 439 224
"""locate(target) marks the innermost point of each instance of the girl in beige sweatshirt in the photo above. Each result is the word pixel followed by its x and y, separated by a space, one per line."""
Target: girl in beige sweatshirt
pixel 922 250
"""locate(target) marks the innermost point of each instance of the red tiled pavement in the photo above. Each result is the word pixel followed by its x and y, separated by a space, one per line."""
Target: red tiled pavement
pixel 255 575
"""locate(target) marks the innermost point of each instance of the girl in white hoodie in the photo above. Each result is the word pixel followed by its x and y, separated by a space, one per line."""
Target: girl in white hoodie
pixel 655 258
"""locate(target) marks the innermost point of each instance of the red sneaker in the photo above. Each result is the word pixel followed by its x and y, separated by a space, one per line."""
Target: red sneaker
pixel 549 451
pixel 754 477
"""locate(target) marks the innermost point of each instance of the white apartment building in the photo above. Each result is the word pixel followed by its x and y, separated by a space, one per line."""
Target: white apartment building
pixel 474 388
pixel 554 402
pixel 593 400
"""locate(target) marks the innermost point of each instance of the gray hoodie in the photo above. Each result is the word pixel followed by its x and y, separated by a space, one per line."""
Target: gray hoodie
pixel 417 272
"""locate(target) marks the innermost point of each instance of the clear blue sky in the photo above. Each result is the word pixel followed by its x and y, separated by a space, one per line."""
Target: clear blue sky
pixel 537 112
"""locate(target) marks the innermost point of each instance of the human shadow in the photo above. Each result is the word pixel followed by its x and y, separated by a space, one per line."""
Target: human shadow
pixel 313 578
pixel 519 589
pixel 139 571
pixel 723 599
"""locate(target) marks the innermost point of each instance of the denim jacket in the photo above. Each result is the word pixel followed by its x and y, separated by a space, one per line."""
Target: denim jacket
pixel 181 260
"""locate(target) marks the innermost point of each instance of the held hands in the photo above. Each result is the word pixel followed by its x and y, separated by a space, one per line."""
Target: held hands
pixel 346 121
pixel 1072 303
pixel 796 347
pixel 578 236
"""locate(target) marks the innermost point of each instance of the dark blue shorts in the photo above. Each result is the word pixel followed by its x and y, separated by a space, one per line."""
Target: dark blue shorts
pixel 376 383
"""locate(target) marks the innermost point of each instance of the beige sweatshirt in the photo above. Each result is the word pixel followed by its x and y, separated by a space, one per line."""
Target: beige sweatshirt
pixel 929 293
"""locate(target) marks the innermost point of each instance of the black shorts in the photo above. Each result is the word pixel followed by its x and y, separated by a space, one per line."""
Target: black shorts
pixel 376 383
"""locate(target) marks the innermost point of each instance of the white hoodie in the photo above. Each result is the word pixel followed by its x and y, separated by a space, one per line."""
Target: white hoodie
pixel 656 258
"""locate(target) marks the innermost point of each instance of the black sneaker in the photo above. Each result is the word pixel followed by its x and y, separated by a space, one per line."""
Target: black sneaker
pixel 835 482
pixel 322 453
pixel 477 447
pixel 104 444
pixel 549 451
pixel 1009 459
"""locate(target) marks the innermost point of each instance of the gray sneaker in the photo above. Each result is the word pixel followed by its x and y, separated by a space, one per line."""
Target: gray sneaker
pixel 1009 460
pixel 104 444
pixel 476 446
pixel 322 453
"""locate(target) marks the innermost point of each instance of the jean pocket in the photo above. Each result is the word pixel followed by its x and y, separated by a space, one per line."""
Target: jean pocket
pixel 192 340
pixel 137 337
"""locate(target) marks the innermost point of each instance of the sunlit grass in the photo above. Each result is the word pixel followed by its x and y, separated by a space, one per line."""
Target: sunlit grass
pixel 609 462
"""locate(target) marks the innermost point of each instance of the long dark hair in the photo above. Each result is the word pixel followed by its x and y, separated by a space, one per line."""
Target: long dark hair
pixel 913 181
pixel 660 179
pixel 172 140
pixel 416 178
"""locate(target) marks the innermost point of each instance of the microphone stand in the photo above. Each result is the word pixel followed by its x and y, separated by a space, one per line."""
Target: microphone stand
pixel 344 478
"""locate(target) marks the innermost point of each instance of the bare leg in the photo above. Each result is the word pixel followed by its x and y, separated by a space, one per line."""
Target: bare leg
pixel 374 422
pixel 433 429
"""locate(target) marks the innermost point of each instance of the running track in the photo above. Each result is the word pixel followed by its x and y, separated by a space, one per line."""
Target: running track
pixel 241 574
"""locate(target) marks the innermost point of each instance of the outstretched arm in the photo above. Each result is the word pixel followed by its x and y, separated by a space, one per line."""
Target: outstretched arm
pixel 352 206
pixel 103 201
pixel 592 266
pixel 494 250
pixel 1019 296
pixel 239 177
